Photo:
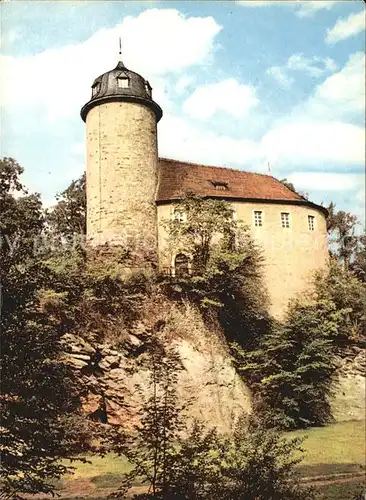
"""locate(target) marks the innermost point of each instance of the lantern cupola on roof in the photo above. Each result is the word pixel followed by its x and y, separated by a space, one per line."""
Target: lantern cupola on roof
pixel 121 84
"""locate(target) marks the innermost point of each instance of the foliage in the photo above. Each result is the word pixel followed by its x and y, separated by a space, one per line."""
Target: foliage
pixel 289 185
pixel 252 463
pixel 151 447
pixel 68 217
pixel 358 264
pixel 291 373
pixel 93 298
pixel 225 262
pixel 177 463
pixel 291 367
pixel 340 293
pixel 345 244
pixel 40 397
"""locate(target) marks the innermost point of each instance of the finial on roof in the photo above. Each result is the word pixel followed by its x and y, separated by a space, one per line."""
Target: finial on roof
pixel 120 64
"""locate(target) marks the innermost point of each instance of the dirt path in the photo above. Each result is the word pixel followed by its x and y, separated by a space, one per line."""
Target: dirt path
pixel 332 478
pixel 84 488
pixel 334 481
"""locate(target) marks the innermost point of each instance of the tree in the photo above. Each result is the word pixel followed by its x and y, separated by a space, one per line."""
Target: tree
pixel 358 265
pixel 151 447
pixel 341 226
pixel 39 394
pixel 291 367
pixel 261 464
pixel 178 462
pixel 254 462
pixel 344 293
pixel 225 262
pixel 289 185
pixel 68 217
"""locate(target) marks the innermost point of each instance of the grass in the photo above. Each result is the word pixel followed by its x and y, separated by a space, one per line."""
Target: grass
pixel 341 491
pixel 341 443
pixel 337 450
pixel 99 466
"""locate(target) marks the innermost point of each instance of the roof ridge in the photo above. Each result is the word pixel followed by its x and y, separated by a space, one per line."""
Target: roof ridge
pixel 216 166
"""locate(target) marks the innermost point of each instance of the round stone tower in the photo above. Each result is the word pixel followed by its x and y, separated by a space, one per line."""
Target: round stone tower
pixel 122 161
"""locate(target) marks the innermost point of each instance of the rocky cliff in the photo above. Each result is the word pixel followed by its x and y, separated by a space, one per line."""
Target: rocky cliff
pixel 115 376
pixel 349 388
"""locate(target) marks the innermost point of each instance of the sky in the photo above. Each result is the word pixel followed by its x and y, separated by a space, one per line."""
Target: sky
pixel 253 85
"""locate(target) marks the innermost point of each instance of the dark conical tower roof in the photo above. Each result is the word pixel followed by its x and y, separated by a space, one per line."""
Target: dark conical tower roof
pixel 121 84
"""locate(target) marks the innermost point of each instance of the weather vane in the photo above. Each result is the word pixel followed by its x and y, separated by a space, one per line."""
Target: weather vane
pixel 120 46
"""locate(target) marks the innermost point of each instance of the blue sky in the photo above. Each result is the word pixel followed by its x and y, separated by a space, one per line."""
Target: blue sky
pixel 241 84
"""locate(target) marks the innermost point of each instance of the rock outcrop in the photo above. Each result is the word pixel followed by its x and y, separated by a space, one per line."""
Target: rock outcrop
pixel 116 378
pixel 350 389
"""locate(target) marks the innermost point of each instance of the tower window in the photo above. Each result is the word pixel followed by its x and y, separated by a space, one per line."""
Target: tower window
pixel 95 89
pixel 123 82
pixel 285 219
pixel 148 88
pixel 258 218
pixel 311 222
pixel 179 215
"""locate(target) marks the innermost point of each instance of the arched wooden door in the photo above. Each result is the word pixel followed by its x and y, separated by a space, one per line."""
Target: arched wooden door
pixel 181 265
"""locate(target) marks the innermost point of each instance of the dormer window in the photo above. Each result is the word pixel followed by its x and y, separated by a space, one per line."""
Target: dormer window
pixel 220 186
pixel 148 88
pixel 123 82
pixel 95 89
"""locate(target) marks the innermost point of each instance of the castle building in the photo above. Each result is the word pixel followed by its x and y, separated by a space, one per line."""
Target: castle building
pixel 131 191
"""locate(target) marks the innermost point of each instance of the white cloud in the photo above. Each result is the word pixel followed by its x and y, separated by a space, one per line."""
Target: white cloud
pixel 9 37
pixel 279 74
pixel 314 66
pixel 326 181
pixel 183 83
pixel 303 8
pixel 61 78
pixel 229 96
pixel 345 28
pixel 343 92
pixel 179 139
pixel 309 143
pixel 257 3
pixel 309 7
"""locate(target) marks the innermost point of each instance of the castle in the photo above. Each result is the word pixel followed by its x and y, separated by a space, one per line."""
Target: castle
pixel 130 190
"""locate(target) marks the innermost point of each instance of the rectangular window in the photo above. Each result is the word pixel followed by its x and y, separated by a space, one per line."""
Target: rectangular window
pixel 179 215
pixel 311 222
pixel 123 82
pixel 285 219
pixel 258 219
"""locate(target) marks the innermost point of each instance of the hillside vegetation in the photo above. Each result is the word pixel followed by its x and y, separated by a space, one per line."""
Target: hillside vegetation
pixel 78 321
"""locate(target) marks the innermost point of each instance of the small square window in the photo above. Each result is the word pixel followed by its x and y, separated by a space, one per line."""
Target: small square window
pixel 285 219
pixel 179 215
pixel 123 82
pixel 258 218
pixel 311 222
pixel 148 88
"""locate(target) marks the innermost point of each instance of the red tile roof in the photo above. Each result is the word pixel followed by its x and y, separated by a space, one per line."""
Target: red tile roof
pixel 178 178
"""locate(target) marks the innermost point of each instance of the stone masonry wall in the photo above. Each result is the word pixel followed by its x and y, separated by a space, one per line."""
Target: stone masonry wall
pixel 291 255
pixel 121 175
